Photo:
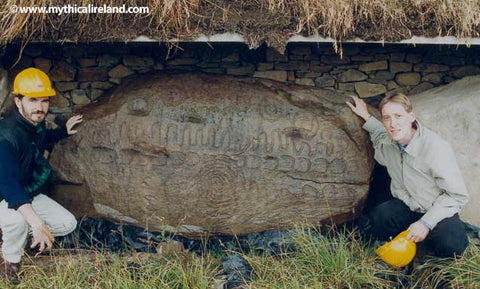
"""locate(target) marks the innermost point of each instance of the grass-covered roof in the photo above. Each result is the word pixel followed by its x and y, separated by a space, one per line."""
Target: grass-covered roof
pixel 259 21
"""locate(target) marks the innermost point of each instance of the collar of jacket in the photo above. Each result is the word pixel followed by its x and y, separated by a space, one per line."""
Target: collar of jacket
pixel 25 124
pixel 413 147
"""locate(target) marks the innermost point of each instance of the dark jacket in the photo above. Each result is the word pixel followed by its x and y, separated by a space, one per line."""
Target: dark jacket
pixel 24 172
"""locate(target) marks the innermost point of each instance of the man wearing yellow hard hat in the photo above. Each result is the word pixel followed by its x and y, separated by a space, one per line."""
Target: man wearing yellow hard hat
pixel 426 182
pixel 25 173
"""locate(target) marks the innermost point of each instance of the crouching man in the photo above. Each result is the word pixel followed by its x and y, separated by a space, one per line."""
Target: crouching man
pixel 25 173
pixel 427 184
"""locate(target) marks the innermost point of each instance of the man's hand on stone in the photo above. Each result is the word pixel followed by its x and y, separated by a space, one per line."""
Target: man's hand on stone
pixel 42 237
pixel 71 122
pixel 418 232
pixel 360 108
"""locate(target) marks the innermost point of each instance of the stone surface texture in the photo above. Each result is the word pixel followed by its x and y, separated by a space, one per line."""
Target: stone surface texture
pixel 453 111
pixel 3 89
pixel 223 155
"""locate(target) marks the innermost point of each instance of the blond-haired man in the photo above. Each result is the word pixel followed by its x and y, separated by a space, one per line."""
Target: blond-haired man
pixel 427 185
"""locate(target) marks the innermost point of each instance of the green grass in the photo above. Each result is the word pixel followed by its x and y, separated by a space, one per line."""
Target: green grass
pixel 114 271
pixel 335 259
pixel 462 272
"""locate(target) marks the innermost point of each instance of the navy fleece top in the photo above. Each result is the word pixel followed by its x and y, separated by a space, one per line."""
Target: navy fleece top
pixel 13 191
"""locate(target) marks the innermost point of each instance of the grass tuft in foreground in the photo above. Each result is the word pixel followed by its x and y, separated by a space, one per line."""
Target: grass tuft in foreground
pixel 461 272
pixel 333 260
pixel 114 271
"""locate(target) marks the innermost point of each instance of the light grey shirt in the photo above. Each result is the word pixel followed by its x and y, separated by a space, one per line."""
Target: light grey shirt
pixel 425 176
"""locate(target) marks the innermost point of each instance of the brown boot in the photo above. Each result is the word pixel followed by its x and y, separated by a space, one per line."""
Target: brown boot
pixel 11 272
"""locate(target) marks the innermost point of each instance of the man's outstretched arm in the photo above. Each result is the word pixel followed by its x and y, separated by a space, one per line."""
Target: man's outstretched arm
pixel 54 135
pixel 360 108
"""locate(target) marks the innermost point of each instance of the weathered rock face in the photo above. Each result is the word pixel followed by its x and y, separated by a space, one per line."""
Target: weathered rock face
pixel 453 111
pixel 3 88
pixel 208 153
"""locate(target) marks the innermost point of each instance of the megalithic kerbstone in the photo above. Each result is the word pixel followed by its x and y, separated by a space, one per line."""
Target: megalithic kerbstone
pixel 199 153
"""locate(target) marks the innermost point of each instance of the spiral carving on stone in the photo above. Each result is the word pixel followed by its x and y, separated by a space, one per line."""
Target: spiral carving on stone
pixel 220 177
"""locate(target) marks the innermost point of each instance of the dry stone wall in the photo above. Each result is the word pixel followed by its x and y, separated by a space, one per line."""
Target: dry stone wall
pixel 82 73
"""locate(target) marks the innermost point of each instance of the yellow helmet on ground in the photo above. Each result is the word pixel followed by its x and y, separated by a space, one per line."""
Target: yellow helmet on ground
pixel 33 82
pixel 398 252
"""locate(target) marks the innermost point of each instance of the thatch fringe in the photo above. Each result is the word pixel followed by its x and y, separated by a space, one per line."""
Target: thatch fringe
pixel 259 21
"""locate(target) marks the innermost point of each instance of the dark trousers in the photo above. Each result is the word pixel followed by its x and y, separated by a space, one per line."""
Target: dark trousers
pixel 388 219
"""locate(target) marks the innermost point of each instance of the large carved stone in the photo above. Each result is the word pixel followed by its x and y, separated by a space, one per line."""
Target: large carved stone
pixel 453 111
pixel 198 153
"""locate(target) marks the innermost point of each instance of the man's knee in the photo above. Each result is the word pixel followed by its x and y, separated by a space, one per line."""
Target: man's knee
pixel 449 246
pixel 14 223
pixel 70 224
pixel 65 224
pixel 389 209
pixel 449 238
pixel 390 218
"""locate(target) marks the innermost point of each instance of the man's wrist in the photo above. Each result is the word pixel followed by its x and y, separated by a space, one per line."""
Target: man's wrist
pixel 426 224
pixel 30 216
pixel 366 117
pixel 37 224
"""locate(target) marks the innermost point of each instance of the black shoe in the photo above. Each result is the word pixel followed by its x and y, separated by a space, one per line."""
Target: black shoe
pixel 396 278
pixel 10 272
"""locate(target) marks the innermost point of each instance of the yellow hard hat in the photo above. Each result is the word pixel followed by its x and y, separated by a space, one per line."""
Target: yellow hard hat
pixel 398 252
pixel 33 82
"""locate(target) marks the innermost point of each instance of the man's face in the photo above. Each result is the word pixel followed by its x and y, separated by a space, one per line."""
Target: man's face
pixel 398 122
pixel 33 109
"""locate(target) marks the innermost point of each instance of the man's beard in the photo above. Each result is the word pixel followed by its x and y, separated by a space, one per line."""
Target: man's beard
pixel 35 117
